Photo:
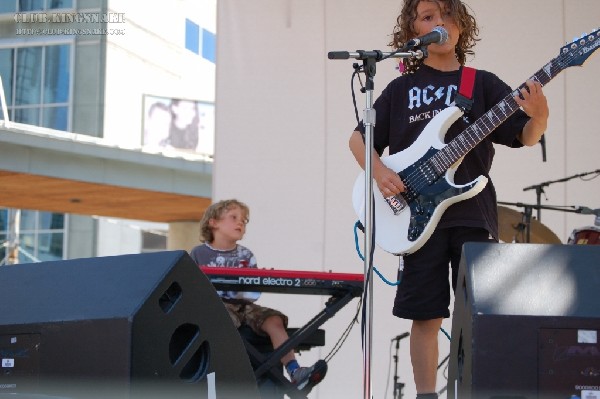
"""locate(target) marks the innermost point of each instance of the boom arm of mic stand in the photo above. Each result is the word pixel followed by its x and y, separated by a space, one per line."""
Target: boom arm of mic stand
pixel 539 188
pixel 571 209
pixel 545 184
pixel 375 54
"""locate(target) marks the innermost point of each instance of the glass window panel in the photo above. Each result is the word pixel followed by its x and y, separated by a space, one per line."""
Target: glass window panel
pixel 27 115
pixel 3 220
pixel 51 221
pixel 8 6
pixel 6 72
pixel 56 79
pixel 27 241
pixel 209 46
pixel 26 248
pixel 44 242
pixel 192 36
pixel 45 219
pixel 28 221
pixel 60 4
pixel 28 75
pixel 50 246
pixel 31 5
pixel 2 249
pixel 58 221
pixel 56 118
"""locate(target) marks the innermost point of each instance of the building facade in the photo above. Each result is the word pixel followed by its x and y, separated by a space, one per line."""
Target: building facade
pixel 83 72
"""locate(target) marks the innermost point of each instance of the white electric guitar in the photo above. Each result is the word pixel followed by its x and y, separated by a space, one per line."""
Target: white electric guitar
pixel 403 223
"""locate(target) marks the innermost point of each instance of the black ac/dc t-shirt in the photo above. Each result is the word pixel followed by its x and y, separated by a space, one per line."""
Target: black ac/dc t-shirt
pixel 410 101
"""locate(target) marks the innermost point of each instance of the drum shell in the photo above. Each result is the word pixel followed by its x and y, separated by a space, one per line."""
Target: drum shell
pixel 589 235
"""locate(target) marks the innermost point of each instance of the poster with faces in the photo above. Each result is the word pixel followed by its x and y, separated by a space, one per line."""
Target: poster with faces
pixel 178 124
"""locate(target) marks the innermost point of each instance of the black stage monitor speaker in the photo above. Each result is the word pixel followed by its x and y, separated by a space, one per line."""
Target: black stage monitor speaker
pixel 131 326
pixel 526 322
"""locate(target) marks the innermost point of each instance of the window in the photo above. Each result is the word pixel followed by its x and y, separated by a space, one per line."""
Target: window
pixel 196 36
pixel 4 223
pixel 7 6
pixel 36 83
pixel 192 36
pixel 209 46
pixel 41 235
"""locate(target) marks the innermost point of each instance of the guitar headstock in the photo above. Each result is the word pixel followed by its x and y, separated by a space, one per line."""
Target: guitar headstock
pixel 578 51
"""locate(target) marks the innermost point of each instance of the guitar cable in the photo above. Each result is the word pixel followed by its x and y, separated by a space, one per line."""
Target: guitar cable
pixel 345 334
pixel 381 276
pixel 360 255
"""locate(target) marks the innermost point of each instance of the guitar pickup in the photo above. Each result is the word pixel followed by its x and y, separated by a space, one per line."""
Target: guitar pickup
pixel 396 203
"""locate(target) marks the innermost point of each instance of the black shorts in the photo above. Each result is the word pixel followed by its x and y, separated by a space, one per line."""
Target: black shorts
pixel 424 289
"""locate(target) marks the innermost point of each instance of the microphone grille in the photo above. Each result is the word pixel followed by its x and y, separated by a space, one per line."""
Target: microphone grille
pixel 443 34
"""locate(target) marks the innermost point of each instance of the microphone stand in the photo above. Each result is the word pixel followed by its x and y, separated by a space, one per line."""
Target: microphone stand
pixel 527 215
pixel 539 188
pixel 398 386
pixel 369 59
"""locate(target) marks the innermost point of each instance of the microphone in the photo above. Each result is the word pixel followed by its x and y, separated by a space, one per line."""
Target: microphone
pixel 584 210
pixel 438 35
pixel 401 336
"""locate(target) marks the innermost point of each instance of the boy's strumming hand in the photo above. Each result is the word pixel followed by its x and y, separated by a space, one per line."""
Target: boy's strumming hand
pixel 388 181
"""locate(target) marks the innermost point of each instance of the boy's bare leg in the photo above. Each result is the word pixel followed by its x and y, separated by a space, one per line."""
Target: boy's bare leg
pixel 424 353
pixel 275 329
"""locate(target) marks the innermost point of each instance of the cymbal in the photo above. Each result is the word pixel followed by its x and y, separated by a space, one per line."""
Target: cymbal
pixel 511 228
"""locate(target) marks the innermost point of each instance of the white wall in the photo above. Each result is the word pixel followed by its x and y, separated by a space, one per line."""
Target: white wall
pixel 284 115
pixel 121 236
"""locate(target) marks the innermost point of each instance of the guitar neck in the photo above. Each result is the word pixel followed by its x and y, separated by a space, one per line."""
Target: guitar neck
pixel 482 127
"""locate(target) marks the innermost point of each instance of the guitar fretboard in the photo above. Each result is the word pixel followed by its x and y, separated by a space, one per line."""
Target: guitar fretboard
pixel 482 127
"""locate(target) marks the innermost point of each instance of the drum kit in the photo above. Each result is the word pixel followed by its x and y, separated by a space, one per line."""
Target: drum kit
pixel 521 227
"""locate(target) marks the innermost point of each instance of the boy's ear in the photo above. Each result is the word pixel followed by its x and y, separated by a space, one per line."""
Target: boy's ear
pixel 211 223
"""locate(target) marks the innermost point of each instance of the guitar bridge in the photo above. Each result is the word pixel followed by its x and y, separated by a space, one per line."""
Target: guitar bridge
pixel 396 203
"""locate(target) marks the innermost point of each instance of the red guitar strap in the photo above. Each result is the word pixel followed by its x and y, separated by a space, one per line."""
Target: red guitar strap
pixel 464 97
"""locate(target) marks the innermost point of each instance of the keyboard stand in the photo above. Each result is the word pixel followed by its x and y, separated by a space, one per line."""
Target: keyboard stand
pixel 271 363
pixel 341 287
